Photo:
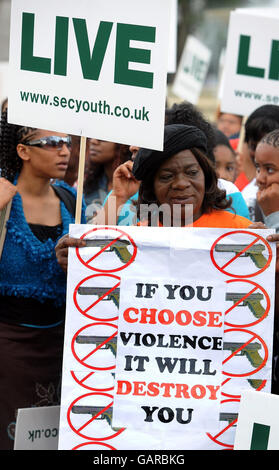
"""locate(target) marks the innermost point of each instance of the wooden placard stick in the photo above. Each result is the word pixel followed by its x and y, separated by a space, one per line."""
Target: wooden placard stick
pixel 81 166
pixel 4 217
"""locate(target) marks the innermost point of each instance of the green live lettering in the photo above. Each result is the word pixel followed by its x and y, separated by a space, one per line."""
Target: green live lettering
pixel 91 62
pixel 243 67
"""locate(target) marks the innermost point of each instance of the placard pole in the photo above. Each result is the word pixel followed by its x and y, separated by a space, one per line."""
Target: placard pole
pixel 81 166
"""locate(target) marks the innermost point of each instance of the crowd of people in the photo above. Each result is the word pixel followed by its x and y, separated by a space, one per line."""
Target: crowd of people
pixel 229 181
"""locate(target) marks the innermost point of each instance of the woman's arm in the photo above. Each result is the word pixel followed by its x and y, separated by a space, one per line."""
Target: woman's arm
pixel 7 192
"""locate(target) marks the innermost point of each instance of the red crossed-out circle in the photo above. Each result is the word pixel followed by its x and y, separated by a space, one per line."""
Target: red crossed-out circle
pixel 217 437
pixel 253 336
pixel 83 382
pixel 256 238
pixel 83 360
pixel 119 234
pixel 110 289
pixel 79 431
pixel 231 397
pixel 256 286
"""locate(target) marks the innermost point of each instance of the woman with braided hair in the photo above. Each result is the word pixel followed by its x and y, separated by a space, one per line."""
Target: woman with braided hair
pixel 32 284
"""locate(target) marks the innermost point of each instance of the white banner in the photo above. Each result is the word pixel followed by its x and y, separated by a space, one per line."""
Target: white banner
pixel 93 68
pixel 165 327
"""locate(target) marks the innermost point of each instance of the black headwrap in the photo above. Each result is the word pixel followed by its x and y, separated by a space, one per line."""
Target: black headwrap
pixel 177 137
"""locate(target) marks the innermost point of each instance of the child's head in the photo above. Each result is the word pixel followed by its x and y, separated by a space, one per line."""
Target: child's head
pixel 267 160
pixel 225 157
pixel 229 124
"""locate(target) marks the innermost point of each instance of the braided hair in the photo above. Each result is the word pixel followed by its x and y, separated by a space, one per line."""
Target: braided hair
pixel 10 136
pixel 272 138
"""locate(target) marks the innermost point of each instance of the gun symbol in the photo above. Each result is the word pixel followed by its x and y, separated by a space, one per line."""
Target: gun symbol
pixel 255 252
pixel 253 301
pixel 98 340
pixel 99 291
pixel 119 247
pixel 250 351
pixel 230 417
pixel 95 411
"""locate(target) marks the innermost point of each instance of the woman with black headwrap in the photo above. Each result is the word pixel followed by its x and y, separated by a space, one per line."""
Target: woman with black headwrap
pixel 182 175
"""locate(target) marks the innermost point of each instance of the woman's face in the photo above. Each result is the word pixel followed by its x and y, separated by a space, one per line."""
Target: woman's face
pixel 267 165
pixel 101 151
pixel 180 181
pixel 45 161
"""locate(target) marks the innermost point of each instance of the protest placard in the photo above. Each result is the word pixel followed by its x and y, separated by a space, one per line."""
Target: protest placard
pixel 37 428
pixel 251 64
pixel 95 69
pixel 157 358
pixel 257 426
pixel 192 70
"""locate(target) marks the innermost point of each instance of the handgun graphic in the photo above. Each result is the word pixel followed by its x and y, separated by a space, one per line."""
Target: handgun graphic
pixel 98 340
pixel 250 351
pixel 255 252
pixel 100 291
pixel 255 383
pixel 230 417
pixel 253 301
pixel 119 247
pixel 95 411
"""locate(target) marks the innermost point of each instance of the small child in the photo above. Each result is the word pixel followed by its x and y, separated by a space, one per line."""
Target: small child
pixel 225 157
pixel 267 175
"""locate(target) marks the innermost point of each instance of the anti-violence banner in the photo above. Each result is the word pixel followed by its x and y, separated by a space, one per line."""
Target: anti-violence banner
pixel 165 328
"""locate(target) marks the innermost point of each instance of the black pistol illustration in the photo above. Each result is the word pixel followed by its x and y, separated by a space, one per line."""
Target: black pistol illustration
pixel 255 252
pixel 253 301
pixel 119 247
pixel 95 411
pixel 230 417
pixel 249 350
pixel 98 340
pixel 100 291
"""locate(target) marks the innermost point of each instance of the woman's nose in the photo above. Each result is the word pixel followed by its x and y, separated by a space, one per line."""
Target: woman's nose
pixel 180 182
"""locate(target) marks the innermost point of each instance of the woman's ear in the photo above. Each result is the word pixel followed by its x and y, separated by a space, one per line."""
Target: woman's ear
pixel 22 151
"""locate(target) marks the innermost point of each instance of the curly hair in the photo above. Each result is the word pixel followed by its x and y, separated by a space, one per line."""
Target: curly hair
pixel 10 136
pixel 214 197
pixel 186 113
pixel 95 170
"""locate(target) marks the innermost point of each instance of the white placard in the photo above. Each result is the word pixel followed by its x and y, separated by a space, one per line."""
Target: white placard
pixel 236 268
pixel 37 428
pixel 192 70
pixel 258 422
pixel 91 68
pixel 172 61
pixel 251 70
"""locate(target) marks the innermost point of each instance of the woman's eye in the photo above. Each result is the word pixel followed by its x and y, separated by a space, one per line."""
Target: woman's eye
pixel 165 177
pixel 192 172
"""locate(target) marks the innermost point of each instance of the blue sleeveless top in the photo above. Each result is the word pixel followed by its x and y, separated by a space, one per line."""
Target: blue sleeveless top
pixel 28 267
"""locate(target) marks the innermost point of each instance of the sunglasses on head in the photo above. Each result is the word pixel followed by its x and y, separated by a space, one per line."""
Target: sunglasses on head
pixel 51 142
